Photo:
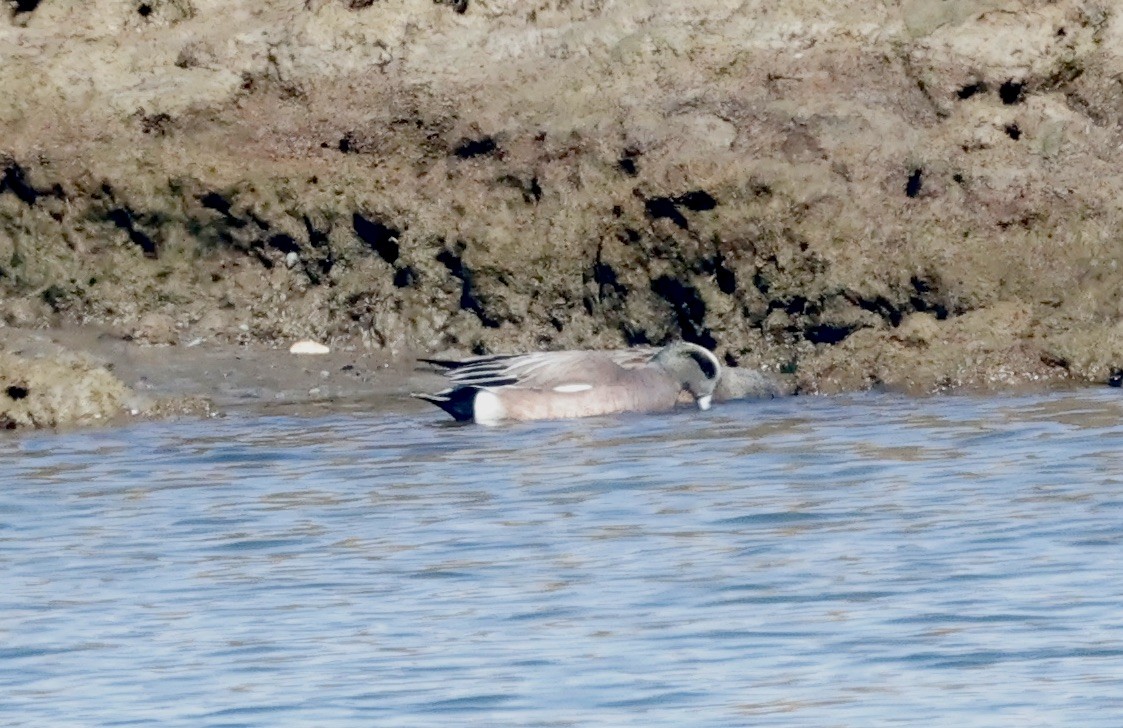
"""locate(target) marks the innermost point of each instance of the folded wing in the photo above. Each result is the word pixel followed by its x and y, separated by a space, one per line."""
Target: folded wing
pixel 559 371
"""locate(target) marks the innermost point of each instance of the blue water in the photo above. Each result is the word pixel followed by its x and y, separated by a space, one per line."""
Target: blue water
pixel 866 560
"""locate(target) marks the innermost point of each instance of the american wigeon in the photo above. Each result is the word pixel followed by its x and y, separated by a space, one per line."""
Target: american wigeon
pixel 564 384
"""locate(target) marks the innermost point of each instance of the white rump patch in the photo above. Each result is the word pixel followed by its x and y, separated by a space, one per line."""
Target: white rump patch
pixel 572 388
pixel 487 409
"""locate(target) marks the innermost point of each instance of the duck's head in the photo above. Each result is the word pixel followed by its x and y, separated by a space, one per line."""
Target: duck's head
pixel 695 367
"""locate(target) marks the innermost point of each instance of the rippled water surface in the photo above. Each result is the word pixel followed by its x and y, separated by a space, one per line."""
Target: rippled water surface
pixel 856 561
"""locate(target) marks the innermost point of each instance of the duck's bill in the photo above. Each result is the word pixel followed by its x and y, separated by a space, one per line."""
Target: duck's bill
pixel 704 402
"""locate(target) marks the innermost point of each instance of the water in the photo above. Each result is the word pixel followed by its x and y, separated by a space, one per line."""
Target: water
pixel 855 561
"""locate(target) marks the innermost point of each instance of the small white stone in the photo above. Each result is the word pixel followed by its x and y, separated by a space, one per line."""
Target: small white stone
pixel 292 259
pixel 308 347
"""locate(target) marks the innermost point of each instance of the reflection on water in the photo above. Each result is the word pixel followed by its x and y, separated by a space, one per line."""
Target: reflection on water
pixel 855 561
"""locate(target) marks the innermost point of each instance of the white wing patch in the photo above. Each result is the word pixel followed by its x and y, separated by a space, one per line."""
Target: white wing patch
pixel 572 388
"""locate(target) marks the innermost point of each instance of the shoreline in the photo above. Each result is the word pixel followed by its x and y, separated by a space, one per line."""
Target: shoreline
pixel 917 196
pixel 211 379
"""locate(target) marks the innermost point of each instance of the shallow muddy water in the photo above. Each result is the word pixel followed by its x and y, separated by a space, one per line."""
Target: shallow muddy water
pixel 851 561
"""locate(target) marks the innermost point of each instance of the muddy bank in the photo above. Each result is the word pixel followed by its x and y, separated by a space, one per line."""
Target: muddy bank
pixel 87 375
pixel 73 377
pixel 917 195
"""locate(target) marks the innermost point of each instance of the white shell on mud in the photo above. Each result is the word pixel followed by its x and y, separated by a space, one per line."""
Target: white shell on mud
pixel 308 347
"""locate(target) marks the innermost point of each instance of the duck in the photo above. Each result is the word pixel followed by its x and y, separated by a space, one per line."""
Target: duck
pixel 553 385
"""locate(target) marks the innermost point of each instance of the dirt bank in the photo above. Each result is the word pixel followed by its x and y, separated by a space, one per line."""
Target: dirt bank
pixel 921 195
pixel 68 376
pixel 71 377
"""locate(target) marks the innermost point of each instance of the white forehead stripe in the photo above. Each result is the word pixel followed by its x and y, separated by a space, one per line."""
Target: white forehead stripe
pixel 572 388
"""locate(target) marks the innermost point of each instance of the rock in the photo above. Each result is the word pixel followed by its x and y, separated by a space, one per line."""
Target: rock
pixel 739 383
pixel 918 329
pixel 212 322
pixel 922 17
pixel 982 350
pixel 308 347
pixel 25 312
pixel 156 329
pixel 56 392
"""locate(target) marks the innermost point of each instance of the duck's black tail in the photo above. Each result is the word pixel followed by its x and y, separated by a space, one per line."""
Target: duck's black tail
pixel 456 401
